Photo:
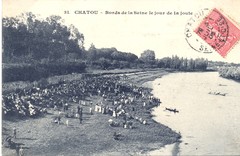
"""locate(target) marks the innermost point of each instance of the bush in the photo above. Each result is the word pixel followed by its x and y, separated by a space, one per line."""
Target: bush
pixel 27 72
pixel 230 72
pixel 42 83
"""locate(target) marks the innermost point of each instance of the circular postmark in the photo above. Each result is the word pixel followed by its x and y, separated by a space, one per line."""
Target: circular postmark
pixel 206 31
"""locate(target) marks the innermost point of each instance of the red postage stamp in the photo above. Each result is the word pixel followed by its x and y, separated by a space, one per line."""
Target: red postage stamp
pixel 219 32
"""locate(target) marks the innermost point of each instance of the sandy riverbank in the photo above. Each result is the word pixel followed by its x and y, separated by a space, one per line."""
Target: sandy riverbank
pixel 94 136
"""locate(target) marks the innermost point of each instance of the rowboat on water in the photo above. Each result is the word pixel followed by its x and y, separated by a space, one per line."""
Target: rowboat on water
pixel 172 110
pixel 217 93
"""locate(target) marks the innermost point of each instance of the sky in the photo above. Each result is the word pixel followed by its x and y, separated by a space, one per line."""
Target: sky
pixel 165 34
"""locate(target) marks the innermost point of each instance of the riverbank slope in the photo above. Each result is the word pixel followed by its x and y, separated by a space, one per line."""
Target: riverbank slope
pixel 94 136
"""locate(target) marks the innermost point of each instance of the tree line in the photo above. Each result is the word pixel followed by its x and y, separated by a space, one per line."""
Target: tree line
pixel 28 38
pixel 34 48
pixel 106 58
pixel 183 64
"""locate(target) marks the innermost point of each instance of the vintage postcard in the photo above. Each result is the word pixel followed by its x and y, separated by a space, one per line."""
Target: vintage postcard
pixel 118 77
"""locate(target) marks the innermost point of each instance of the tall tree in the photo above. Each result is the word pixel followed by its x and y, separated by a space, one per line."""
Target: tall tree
pixel 30 37
pixel 148 56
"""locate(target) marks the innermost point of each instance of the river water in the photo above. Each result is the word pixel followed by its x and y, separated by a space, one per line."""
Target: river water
pixel 209 124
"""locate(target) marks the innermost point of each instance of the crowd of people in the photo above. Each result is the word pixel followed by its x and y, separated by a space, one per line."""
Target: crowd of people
pixel 34 101
pixel 118 98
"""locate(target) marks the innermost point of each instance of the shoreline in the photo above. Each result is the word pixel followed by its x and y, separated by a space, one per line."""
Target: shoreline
pixel 140 138
pixel 168 149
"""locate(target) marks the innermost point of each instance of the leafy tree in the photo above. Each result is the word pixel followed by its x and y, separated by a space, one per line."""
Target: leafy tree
pixel 148 56
pixel 105 63
pixel 116 64
pixel 31 38
pixel 92 53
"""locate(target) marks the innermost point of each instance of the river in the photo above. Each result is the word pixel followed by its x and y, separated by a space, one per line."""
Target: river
pixel 209 124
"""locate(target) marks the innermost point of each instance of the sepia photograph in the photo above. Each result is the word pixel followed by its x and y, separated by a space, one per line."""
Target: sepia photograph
pixel 119 77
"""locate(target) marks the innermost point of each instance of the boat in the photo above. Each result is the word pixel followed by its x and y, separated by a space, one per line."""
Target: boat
pixel 217 93
pixel 172 110
pixel 222 85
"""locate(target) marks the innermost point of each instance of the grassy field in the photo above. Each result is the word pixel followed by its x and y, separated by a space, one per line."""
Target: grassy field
pixel 94 136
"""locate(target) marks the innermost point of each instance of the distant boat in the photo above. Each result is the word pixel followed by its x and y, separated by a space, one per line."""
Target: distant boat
pixel 217 93
pixel 222 85
pixel 172 110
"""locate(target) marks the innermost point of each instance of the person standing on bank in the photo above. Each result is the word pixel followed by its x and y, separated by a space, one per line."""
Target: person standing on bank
pixel 21 151
pixel 14 133
pixel 78 109
pixel 91 111
pixel 80 115
pixel 17 150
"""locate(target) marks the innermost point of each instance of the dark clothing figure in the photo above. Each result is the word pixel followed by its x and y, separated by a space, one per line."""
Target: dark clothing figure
pixel 14 133
pixel 116 136
pixel 80 119
pixel 66 106
pixel 17 150
pixel 80 115
pixel 78 109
